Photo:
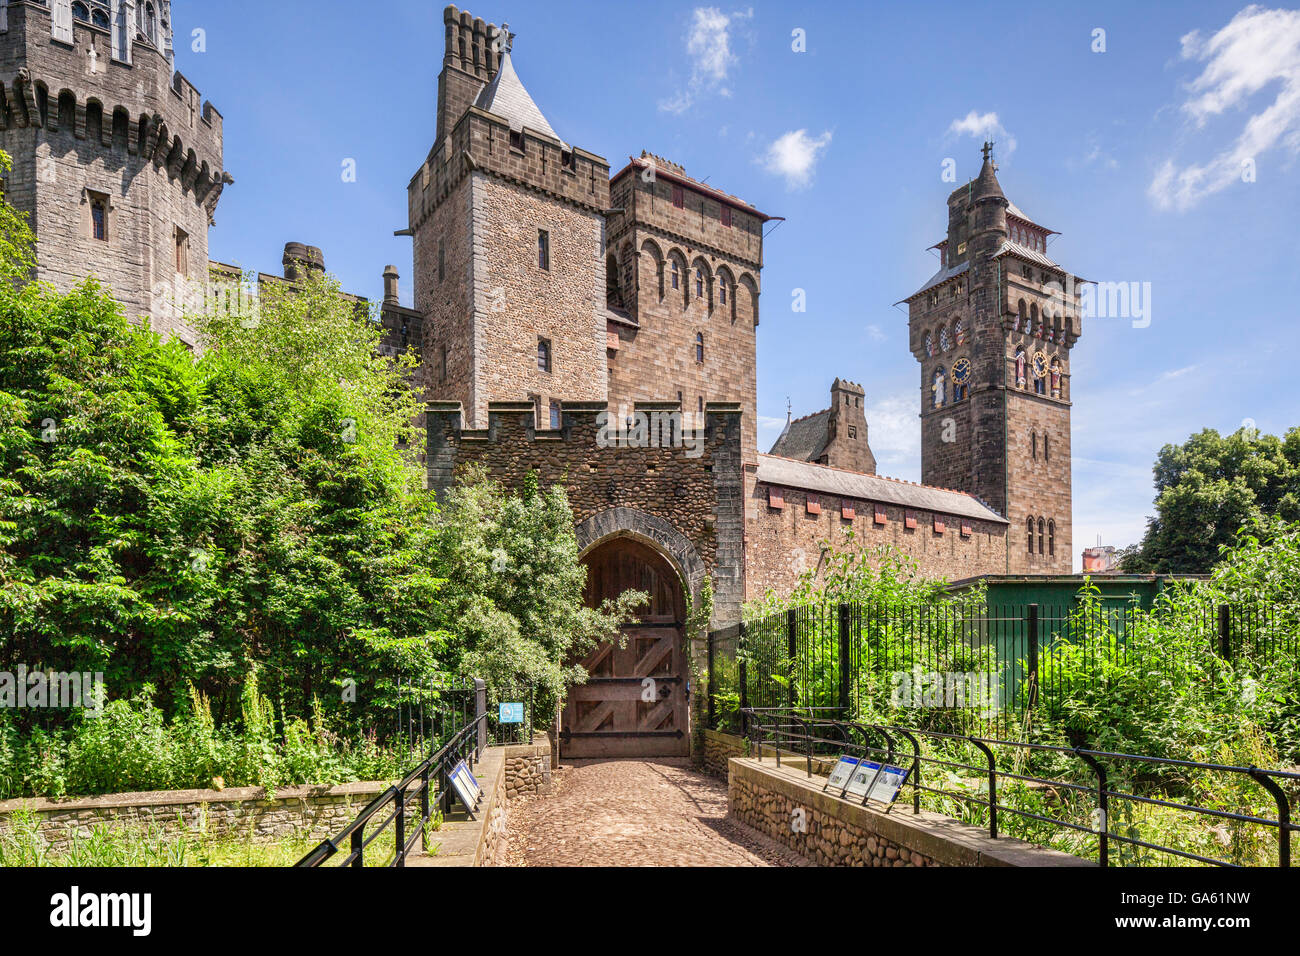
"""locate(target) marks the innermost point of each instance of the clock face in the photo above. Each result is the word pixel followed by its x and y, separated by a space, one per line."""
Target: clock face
pixel 1040 364
pixel 961 371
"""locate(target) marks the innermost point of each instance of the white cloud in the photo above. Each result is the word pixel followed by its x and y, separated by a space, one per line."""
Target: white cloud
pixel 984 126
pixel 894 434
pixel 709 46
pixel 794 156
pixel 1258 48
pixel 876 333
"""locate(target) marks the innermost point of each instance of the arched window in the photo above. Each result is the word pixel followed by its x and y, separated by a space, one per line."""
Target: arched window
pixel 939 388
pixel 1033 442
pixel 1041 528
pixel 722 290
pixel 1051 538
pixel 1029 529
pixel 1047 453
pixel 945 343
pixel 99 18
pixel 147 22
pixel 699 283
pixel 699 347
pixel 929 344
pixel 677 275
pixel 81 12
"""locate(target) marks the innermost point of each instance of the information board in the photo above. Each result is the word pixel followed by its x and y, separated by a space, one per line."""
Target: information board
pixel 512 713
pixel 466 786
pixel 876 782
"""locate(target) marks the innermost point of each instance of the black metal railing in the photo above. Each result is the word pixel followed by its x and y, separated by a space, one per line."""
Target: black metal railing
pixel 1004 660
pixel 807 734
pixel 406 811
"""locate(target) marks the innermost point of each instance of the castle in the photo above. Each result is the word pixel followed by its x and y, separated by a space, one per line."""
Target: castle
pixel 596 329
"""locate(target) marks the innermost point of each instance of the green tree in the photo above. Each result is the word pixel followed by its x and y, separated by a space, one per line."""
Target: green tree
pixel 1211 486
pixel 514 591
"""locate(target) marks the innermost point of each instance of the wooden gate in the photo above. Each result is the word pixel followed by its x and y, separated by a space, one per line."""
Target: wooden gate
pixel 634 703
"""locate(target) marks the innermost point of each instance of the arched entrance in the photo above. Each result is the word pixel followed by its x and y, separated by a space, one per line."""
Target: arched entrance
pixel 634 702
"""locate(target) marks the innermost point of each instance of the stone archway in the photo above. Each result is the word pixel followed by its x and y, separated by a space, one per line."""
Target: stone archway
pixel 636 701
pixel 651 529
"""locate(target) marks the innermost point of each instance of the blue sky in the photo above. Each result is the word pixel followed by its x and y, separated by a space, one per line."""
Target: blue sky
pixel 1134 154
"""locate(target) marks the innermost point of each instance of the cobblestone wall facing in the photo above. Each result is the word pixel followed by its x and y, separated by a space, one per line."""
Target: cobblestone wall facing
pixel 245 812
pixel 794 811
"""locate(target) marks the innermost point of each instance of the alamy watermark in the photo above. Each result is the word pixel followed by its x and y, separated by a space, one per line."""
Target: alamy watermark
pixel 52 690
pixel 917 688
pixel 650 429
pixel 1104 300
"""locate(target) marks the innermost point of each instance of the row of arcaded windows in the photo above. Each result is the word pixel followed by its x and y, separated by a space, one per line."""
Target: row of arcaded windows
pixel 1046 528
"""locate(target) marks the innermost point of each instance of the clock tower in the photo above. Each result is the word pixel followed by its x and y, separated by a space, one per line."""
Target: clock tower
pixel 992 330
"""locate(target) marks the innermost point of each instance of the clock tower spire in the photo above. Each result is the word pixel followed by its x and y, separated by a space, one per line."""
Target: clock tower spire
pixel 992 330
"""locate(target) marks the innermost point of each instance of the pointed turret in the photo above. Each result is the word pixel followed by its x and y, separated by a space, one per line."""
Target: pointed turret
pixel 506 97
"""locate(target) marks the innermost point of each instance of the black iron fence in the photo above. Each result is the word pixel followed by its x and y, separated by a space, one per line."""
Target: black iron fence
pixel 386 831
pixel 1119 809
pixel 512 721
pixel 967 666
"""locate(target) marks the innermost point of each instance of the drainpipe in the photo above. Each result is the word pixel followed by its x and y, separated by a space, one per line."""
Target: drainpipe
pixel 1006 435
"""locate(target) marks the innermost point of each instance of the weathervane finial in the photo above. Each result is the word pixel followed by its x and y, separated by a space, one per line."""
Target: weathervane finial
pixel 988 148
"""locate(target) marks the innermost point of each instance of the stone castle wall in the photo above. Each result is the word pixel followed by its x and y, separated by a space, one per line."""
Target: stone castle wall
pixel 689 507
pixel 781 544
pixel 654 357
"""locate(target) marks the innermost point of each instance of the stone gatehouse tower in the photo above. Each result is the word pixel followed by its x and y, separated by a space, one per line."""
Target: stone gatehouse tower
pixel 117 161
pixel 993 330
pixel 552 314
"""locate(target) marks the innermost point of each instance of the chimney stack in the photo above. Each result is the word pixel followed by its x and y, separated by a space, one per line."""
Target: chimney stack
pixel 301 259
pixel 390 285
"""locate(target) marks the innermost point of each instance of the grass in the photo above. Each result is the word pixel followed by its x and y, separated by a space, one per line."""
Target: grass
pixel 122 845
pixel 127 844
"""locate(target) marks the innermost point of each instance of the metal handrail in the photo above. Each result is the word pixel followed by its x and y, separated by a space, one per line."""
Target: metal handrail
pixel 433 769
pixel 800 732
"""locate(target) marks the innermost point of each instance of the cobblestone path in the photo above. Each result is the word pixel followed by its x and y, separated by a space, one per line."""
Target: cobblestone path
pixel 647 812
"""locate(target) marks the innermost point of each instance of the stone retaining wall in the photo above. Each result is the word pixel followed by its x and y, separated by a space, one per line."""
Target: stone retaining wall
pixel 718 749
pixel 247 812
pixel 790 807
pixel 528 768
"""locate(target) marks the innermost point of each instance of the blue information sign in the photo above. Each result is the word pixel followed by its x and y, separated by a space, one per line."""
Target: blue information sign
pixel 510 713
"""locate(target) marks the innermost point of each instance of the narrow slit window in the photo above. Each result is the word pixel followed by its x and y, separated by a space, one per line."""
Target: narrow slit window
pixel 99 218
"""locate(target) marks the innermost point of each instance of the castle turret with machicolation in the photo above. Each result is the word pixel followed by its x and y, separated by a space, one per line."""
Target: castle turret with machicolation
pixel 117 161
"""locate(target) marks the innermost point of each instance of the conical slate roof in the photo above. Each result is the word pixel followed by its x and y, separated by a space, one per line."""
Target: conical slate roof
pixel 506 97
pixel 986 184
